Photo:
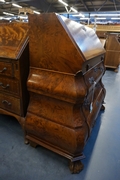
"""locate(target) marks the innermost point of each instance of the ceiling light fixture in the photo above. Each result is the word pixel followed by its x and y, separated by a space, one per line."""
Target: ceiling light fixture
pixel 104 15
pixel 116 18
pixel 73 9
pixel 79 15
pixel 2 0
pixel 100 18
pixel 8 14
pixel 16 5
pixel 23 17
pixel 36 12
pixel 83 18
pixel 65 4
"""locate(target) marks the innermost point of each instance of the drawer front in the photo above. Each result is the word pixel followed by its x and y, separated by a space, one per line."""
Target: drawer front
pixel 6 68
pixel 93 103
pixel 10 103
pixel 9 85
pixel 94 75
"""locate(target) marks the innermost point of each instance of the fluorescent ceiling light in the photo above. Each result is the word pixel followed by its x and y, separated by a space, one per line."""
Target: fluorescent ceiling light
pixel 73 9
pixel 7 18
pixel 115 18
pixel 23 17
pixel 100 18
pixel 16 5
pixel 78 15
pixel 65 4
pixel 84 18
pixel 104 15
pixel 36 12
pixel 8 14
pixel 2 0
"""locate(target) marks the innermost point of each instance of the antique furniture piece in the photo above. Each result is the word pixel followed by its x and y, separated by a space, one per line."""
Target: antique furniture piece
pixel 112 57
pixel 66 91
pixel 111 34
pixel 14 69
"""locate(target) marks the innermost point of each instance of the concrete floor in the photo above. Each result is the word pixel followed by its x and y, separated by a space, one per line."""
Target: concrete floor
pixel 22 162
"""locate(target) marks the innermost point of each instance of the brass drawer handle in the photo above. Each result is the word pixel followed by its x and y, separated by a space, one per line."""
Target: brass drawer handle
pixel 4 69
pixel 97 103
pixel 86 102
pixel 4 87
pixel 91 80
pixel 98 68
pixel 5 101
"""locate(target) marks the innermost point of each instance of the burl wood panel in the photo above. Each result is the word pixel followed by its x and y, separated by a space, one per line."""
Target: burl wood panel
pixel 12 38
pixel 84 37
pixel 57 85
pixel 59 48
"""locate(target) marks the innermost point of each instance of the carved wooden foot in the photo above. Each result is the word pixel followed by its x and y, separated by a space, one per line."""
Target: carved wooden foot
pixel 102 108
pixel 116 70
pixel 26 141
pixel 33 144
pixel 75 167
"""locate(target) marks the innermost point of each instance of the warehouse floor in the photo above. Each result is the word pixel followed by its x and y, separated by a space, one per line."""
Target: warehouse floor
pixel 102 151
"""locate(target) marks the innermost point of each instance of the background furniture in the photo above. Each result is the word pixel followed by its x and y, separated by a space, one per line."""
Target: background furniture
pixel 112 57
pixel 111 34
pixel 14 69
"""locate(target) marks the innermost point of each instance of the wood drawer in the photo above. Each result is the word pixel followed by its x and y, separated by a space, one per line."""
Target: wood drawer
pixel 9 85
pixel 6 68
pixel 10 103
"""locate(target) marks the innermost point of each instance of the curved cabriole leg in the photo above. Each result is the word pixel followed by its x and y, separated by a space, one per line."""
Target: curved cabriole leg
pixel 102 108
pixel 76 167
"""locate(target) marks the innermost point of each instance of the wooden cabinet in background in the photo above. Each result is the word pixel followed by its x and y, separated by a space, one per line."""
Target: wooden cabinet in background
pixel 14 69
pixel 111 35
pixel 112 56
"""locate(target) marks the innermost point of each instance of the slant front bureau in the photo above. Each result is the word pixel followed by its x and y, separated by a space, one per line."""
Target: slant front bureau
pixel 14 68
pixel 66 91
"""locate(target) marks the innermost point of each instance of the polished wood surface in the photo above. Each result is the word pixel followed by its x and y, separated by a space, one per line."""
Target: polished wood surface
pixel 68 51
pixel 66 91
pixel 14 68
pixel 12 39
pixel 83 36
